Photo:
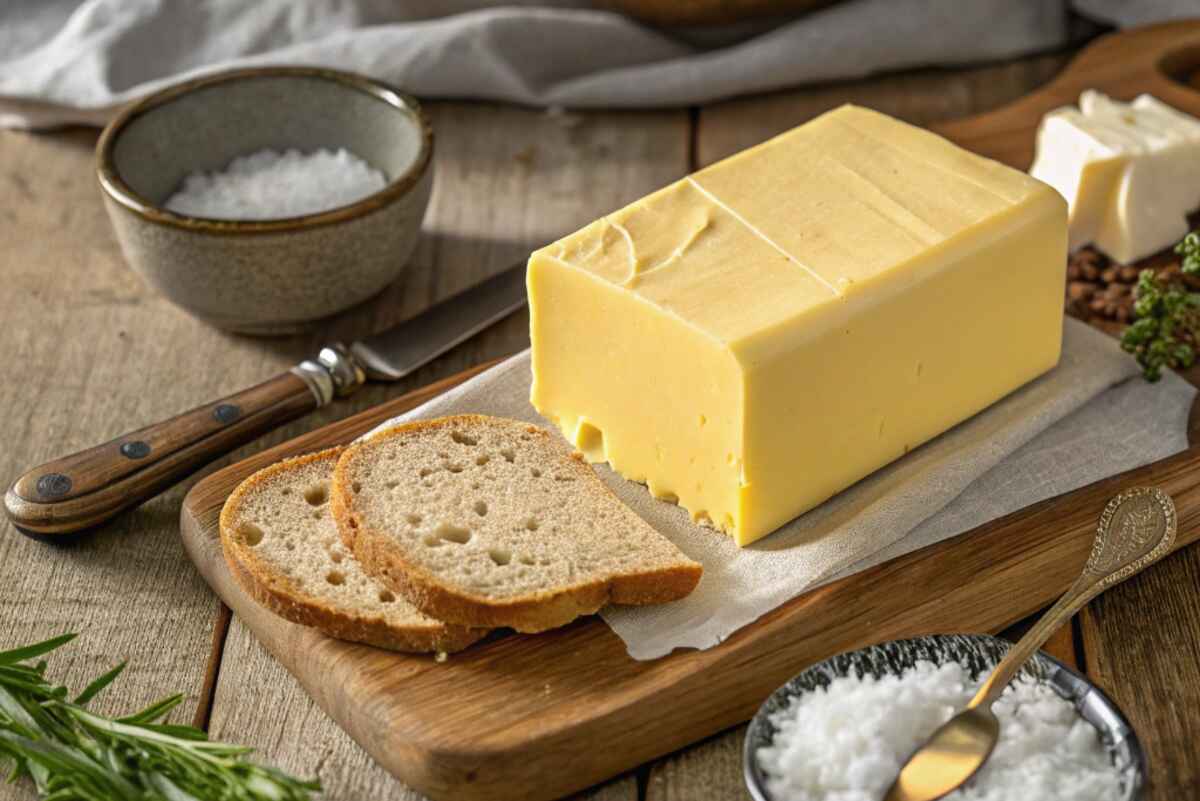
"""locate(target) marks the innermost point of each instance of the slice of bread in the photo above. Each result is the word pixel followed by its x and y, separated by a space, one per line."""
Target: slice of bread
pixel 281 544
pixel 490 522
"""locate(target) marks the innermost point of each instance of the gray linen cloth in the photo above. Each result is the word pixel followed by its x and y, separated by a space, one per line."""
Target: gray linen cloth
pixel 66 61
pixel 1089 418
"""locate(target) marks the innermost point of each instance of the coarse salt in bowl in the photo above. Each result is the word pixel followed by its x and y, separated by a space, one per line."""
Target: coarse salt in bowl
pixel 841 730
pixel 269 185
pixel 262 199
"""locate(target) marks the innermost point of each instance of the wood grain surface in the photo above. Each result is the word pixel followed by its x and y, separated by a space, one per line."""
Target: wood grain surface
pixel 305 742
pixel 87 343
pixel 103 353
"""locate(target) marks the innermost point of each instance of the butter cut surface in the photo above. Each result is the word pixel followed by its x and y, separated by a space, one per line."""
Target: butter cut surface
pixel 760 335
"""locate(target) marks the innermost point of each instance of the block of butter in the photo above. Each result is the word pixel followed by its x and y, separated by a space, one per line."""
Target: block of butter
pixel 762 334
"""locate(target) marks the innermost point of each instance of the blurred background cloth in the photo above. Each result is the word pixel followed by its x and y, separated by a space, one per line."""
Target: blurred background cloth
pixel 65 61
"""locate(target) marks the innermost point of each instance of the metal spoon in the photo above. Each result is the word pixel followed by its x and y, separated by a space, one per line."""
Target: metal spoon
pixel 1136 529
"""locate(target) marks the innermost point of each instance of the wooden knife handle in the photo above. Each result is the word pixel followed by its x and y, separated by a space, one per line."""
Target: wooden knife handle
pixel 90 487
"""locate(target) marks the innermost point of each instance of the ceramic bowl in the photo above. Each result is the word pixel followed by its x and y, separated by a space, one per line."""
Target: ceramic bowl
pixel 266 276
pixel 978 654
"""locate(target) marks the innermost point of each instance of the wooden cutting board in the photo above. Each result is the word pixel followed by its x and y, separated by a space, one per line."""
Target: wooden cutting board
pixel 537 717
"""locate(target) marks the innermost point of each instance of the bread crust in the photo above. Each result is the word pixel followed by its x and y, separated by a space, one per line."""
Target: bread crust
pixel 279 594
pixel 379 556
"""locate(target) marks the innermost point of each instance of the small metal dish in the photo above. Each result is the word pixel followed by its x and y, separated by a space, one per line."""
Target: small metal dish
pixel 977 653
pixel 266 276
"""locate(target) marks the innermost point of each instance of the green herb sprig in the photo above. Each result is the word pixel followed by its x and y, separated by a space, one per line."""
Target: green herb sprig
pixel 73 754
pixel 1166 317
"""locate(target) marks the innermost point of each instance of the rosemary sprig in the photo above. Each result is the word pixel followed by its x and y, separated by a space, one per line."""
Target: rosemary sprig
pixel 73 754
pixel 1166 317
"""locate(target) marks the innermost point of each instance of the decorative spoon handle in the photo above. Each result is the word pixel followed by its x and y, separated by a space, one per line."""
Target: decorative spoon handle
pixel 1136 529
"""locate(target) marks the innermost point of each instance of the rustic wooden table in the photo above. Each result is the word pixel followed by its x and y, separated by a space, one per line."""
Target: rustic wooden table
pixel 92 352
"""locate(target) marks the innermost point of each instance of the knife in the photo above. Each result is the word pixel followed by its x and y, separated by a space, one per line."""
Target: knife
pixel 85 489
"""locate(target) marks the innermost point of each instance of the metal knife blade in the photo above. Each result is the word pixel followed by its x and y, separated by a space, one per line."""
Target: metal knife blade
pixel 395 352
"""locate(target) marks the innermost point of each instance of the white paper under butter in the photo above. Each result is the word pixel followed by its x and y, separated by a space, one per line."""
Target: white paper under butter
pixel 1083 421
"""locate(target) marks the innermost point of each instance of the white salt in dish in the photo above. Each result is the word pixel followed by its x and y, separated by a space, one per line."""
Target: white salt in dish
pixel 270 185
pixel 840 730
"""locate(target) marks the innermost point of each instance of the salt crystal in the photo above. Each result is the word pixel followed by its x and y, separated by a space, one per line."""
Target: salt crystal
pixel 267 185
pixel 847 742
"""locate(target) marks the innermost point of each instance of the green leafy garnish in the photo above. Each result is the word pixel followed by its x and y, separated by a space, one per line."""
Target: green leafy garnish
pixel 73 754
pixel 1189 248
pixel 1166 316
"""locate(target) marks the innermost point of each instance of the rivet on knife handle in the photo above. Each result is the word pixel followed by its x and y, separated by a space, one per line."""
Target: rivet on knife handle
pixel 90 487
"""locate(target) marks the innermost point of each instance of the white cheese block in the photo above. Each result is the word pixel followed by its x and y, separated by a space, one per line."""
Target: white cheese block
pixel 1084 161
pixel 1184 131
pixel 1130 172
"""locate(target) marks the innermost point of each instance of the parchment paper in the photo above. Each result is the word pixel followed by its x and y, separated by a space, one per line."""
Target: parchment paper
pixel 1089 418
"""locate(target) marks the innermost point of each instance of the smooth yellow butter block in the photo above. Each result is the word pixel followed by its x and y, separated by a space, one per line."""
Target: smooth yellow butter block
pixel 760 335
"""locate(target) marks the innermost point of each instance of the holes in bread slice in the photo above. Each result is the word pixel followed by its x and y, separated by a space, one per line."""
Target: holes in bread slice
pixel 509 455
pixel 335 577
pixel 500 556
pixel 482 459
pixel 452 533
pixel 385 596
pixel 531 524
pixel 463 439
pixel 251 534
pixel 317 494
pixel 480 508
